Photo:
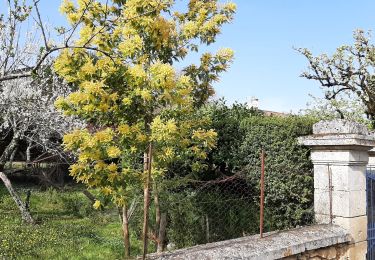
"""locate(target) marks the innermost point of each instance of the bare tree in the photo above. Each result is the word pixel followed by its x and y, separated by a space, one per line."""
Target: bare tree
pixel 351 69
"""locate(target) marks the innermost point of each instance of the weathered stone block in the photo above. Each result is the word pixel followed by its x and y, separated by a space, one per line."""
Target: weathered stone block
pixel 291 244
pixel 356 227
pixel 349 203
pixel 339 126
pixel 321 202
pixel 339 156
pixel 325 253
pixel 347 178
pixel 356 251
pixel 322 218
pixel 344 203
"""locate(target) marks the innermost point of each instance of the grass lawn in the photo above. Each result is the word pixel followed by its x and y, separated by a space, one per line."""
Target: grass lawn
pixel 68 228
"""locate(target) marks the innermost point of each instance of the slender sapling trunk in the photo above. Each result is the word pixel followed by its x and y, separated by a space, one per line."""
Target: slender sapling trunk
pixel 146 194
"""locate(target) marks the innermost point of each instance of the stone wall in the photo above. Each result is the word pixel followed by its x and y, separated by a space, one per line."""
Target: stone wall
pixel 326 253
pixel 313 242
pixel 340 154
pixel 345 251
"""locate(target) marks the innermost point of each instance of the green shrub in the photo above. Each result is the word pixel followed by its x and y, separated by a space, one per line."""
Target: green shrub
pixel 77 205
pixel 232 209
pixel 227 123
pixel 289 176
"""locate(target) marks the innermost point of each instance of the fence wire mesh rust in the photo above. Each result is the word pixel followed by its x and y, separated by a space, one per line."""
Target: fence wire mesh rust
pixel 194 210
pixel 199 212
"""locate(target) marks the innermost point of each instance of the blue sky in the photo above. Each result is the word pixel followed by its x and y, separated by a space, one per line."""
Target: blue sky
pixel 263 35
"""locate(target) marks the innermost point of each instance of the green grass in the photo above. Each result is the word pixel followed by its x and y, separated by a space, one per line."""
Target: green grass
pixel 68 228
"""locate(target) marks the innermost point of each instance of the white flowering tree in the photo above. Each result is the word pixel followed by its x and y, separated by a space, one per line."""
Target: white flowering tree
pixel 345 105
pixel 27 115
pixel 347 77
pixel 28 89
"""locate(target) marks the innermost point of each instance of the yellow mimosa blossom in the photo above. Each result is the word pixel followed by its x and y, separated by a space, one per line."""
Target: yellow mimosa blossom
pixel 112 167
pixel 97 204
pixel 106 190
pixel 126 101
pixel 132 85
pixel 88 68
pixel 104 136
pixel 113 152
pixel 124 129
pixel 100 165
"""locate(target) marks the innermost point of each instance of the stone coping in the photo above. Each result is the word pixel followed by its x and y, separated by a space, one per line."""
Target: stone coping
pixel 274 245
pixel 339 126
pixel 338 140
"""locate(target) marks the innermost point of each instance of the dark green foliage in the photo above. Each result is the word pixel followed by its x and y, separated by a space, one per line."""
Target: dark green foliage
pixel 209 212
pixel 289 179
pixel 242 133
pixel 232 207
pixel 227 123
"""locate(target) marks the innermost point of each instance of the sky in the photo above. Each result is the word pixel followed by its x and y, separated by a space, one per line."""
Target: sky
pixel 263 35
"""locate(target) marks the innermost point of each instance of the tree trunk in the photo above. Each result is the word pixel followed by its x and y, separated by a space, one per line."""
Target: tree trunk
pixel 161 236
pixel 157 212
pixel 6 155
pixel 146 194
pixel 125 230
pixel 28 154
pixel 11 159
pixel 27 200
pixel 25 214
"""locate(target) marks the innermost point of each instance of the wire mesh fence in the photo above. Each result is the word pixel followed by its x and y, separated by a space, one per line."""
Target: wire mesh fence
pixel 208 211
pixel 185 212
pixel 196 212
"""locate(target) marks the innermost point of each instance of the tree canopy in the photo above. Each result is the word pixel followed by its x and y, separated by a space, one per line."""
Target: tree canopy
pixel 128 90
pixel 349 70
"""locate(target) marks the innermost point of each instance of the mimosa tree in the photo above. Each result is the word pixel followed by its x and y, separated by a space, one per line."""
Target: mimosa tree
pixel 137 104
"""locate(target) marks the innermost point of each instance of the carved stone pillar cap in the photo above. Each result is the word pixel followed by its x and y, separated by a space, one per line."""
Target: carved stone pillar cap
pixel 339 133
pixel 339 126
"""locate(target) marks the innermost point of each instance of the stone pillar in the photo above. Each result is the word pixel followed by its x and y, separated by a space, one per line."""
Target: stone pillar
pixel 340 156
pixel 371 159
